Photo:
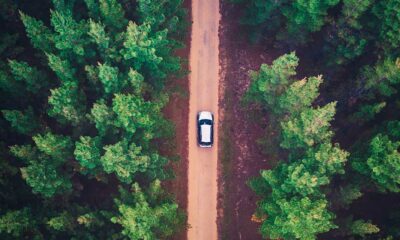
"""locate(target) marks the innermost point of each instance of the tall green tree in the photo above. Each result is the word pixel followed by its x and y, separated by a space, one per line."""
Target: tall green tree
pixel 86 102
pixel 295 185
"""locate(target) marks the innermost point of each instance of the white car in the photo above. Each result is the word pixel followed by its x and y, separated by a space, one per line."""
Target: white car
pixel 205 123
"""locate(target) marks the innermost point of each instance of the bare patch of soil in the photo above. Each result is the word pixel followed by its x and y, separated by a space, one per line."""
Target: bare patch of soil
pixel 240 156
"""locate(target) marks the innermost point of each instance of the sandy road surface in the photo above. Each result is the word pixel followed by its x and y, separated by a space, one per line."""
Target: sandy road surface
pixel 202 172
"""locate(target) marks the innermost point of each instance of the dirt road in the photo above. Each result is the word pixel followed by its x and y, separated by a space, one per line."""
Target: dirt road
pixel 202 172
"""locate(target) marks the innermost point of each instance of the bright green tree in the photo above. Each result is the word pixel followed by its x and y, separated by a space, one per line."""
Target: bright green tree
pixel 297 218
pixel 299 95
pixel 70 34
pixel 66 103
pixel 309 129
pixel 41 37
pixel 141 218
pixel 88 152
pixel 381 162
pixel 272 81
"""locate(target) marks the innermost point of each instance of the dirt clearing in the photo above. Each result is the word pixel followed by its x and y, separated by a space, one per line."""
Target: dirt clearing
pixel 241 157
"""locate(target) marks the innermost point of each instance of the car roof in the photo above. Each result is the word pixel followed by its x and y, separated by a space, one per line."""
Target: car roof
pixel 205 133
pixel 205 115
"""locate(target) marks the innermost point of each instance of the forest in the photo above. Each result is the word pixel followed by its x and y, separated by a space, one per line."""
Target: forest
pixel 332 129
pixel 85 147
pixel 82 88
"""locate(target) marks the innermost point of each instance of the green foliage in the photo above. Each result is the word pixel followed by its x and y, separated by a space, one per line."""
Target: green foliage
pixel 24 152
pixel 388 14
pixel 98 34
pixel 112 14
pixel 143 219
pixel 368 112
pixel 88 107
pixel 352 11
pixel 292 203
pixel 44 177
pixel 103 117
pixel 32 78
pixel 62 68
pixel 93 8
pixel 136 81
pixel 299 218
pixel 134 113
pixel 362 228
pixel 381 162
pixel 70 34
pixel 300 95
pixel 56 146
pixel 62 222
pixel 309 129
pixel 24 122
pixel 305 176
pixel 109 77
pixel 348 40
pixel 43 172
pixel 66 103
pixel 125 160
pixel 141 48
pixel 305 16
pixel 258 11
pixel 382 78
pixel 348 194
pixel 163 14
pixel 356 44
pixel 41 37
pixel 88 152
pixel 16 223
pixel 272 81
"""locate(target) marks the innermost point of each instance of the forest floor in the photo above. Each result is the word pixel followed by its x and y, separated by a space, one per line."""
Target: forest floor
pixel 177 111
pixel 240 155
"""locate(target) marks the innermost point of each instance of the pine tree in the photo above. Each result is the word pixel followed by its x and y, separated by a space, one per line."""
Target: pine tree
pixel 309 129
pixel 272 81
pixel 103 117
pixel 62 68
pixel 88 152
pixel 381 162
pixel 304 16
pixel 362 228
pixel 109 78
pixel 41 37
pixel 299 95
pixel 70 34
pixel 125 160
pixel 24 122
pixel 297 218
pixel 98 34
pixel 141 48
pixel 17 223
pixel 140 216
pixel 62 222
pixel 66 103
pixel 112 13
pixel 32 78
